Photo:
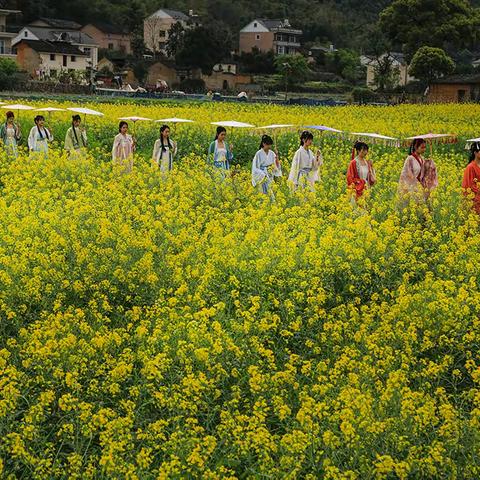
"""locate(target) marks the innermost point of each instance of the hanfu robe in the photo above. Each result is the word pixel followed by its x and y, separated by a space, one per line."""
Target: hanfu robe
pixel 360 177
pixel 418 179
pixel 38 140
pixel 10 135
pixel 75 141
pixel 220 157
pixel 123 150
pixel 163 157
pixel 305 169
pixel 471 184
pixel 265 167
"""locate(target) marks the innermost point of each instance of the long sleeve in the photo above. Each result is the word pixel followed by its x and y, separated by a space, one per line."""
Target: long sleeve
pixel 116 148
pixel 31 138
pixel 257 173
pixel 211 153
pixel 353 180
pixel 84 138
pixel 430 179
pixel 229 152
pixel 470 180
pixel 174 148
pixel 293 177
pixel 50 135
pixel 69 141
pixel 277 168
pixel 3 133
pixel 156 151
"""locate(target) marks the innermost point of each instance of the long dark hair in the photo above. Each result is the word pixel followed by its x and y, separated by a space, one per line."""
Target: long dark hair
pixel 306 135
pixel 75 118
pixel 10 114
pixel 417 142
pixel 36 120
pixel 474 148
pixel 266 140
pixel 162 129
pixel 358 147
pixel 121 124
pixel 219 131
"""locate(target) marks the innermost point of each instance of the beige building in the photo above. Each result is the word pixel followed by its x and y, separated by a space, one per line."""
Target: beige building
pixel 398 63
pixel 157 25
pixel 270 35
pixel 44 59
pixel 78 39
pixel 109 37
pixel 6 37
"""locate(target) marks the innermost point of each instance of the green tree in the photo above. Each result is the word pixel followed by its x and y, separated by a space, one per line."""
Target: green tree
pixel 345 63
pixel 8 66
pixel 175 39
pixel 386 74
pixel 441 23
pixel 257 62
pixel 293 68
pixel 429 63
pixel 204 46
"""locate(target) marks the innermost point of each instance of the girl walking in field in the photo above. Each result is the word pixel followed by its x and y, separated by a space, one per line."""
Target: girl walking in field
pixel 220 153
pixel 123 148
pixel 360 173
pixel 76 138
pixel 39 138
pixel 10 135
pixel 471 177
pixel 265 166
pixel 304 172
pixel 164 150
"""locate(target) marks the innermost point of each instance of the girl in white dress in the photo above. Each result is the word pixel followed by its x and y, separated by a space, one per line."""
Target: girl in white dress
pixel 304 171
pixel 164 150
pixel 10 135
pixel 39 138
pixel 123 148
pixel 265 166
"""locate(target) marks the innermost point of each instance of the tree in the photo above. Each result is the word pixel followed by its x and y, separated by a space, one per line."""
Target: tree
pixel 175 39
pixel 257 62
pixel 430 63
pixel 8 66
pixel 204 46
pixel 293 68
pixel 410 24
pixel 345 63
pixel 386 74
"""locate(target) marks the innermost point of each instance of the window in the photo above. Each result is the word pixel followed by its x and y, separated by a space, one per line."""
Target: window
pixel 88 51
pixel 65 60
pixel 280 50
pixel 25 33
pixel 462 95
pixel 110 46
pixel 52 57
pixel 162 33
pixel 73 58
pixel 257 37
pixel 293 39
pixel 229 68
pixel 255 25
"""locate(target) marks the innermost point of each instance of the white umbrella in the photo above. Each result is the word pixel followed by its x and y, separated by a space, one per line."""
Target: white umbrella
pixel 324 128
pixel 85 112
pixel 233 124
pixel 376 136
pixel 432 138
pixel 17 107
pixel 50 109
pixel 135 120
pixel 271 127
pixel 470 141
pixel 174 120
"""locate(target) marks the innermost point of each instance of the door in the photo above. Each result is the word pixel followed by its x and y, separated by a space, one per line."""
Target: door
pixel 461 97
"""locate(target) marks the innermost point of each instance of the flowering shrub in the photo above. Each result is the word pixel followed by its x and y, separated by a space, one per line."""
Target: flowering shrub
pixel 181 327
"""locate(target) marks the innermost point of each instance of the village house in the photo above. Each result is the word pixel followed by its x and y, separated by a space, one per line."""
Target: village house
pixel 6 37
pixel 41 58
pixel 80 40
pixel 455 88
pixel 157 26
pixel 270 35
pixel 398 63
pixel 109 37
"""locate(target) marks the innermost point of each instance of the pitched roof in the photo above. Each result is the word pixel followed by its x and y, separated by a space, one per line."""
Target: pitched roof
pixel 177 15
pixel 275 24
pixel 109 28
pixel 53 47
pixel 63 35
pixel 473 78
pixel 60 23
